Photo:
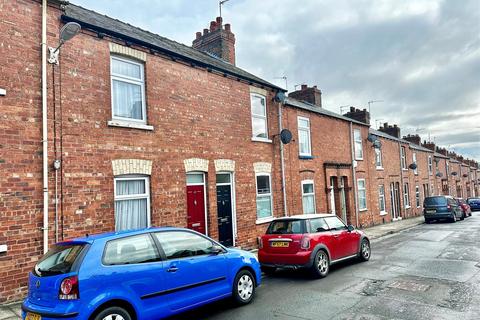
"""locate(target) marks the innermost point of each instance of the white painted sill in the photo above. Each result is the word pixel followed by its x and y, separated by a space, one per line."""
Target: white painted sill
pixel 407 207
pixel 261 140
pixel 132 125
pixel 366 209
pixel 264 220
pixel 383 213
pixel 379 168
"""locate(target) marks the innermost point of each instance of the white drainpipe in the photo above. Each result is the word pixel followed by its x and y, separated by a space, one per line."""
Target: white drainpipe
pixel 44 126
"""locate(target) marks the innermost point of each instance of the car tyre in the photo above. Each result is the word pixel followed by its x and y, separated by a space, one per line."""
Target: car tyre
pixel 428 221
pixel 321 264
pixel 454 219
pixel 113 313
pixel 463 216
pixel 365 250
pixel 269 270
pixel 243 287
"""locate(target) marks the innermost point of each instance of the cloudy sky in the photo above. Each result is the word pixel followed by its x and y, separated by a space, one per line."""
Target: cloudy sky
pixel 421 58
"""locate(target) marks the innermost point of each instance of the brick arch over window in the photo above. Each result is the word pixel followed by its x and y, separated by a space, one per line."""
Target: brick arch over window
pixel 196 164
pixel 131 166
pixel 224 165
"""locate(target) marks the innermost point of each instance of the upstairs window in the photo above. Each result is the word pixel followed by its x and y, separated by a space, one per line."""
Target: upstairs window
pixel 304 144
pixel 403 158
pixel 128 90
pixel 414 159
pixel 430 165
pixel 259 117
pixel 357 137
pixel 378 158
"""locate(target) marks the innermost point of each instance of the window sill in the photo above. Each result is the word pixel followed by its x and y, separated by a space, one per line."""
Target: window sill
pixel 403 169
pixel 363 209
pixel 261 140
pixel 383 213
pixel 305 157
pixel 264 220
pixel 126 124
pixel 359 159
pixel 407 207
pixel 380 168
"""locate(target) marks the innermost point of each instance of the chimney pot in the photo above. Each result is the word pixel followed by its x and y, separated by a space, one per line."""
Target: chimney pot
pixel 198 35
pixel 205 31
pixel 219 21
pixel 352 109
pixel 227 27
pixel 213 26
pixel 304 86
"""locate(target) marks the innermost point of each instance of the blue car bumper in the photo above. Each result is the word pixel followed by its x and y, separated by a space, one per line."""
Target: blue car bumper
pixel 48 313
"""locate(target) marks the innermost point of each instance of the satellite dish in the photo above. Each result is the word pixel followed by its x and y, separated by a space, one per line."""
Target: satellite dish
pixel 279 96
pixel 465 175
pixel 285 136
pixel 377 144
pixel 413 166
pixel 372 138
pixel 454 173
pixel 68 31
pixel 439 174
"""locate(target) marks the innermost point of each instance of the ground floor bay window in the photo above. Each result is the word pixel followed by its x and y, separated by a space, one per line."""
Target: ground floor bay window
pixel 132 202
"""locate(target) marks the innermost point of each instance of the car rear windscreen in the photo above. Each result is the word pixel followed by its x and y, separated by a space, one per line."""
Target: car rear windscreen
pixel 435 201
pixel 58 260
pixel 286 227
pixel 473 200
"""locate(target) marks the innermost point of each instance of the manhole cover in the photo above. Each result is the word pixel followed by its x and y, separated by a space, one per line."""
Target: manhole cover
pixel 409 286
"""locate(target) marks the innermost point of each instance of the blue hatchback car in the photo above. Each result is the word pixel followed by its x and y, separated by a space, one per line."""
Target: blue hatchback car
pixel 144 274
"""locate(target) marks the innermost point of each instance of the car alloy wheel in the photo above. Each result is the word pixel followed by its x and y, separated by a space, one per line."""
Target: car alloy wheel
pixel 113 317
pixel 244 287
pixel 321 264
pixel 113 313
pixel 365 250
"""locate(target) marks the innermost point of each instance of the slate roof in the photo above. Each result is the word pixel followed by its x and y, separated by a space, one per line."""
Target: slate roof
pixel 387 136
pixel 439 155
pixel 103 24
pixel 313 108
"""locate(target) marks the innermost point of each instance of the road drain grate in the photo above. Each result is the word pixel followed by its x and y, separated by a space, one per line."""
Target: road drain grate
pixel 409 286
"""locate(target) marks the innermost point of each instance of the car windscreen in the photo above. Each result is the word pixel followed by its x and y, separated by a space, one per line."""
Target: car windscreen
pixel 435 201
pixel 58 260
pixel 286 227
pixel 473 201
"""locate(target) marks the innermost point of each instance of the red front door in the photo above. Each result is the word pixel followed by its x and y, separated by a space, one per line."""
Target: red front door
pixel 196 208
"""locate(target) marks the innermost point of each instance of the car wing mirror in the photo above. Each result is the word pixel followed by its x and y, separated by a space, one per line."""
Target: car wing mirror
pixel 216 249
pixel 350 228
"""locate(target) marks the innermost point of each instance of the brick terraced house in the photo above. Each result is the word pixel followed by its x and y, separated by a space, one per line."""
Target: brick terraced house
pixel 144 131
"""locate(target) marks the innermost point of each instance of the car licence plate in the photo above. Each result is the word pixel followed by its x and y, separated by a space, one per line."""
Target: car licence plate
pixel 431 211
pixel 33 316
pixel 280 244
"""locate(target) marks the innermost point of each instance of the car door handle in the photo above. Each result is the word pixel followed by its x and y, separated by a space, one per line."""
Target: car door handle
pixel 335 235
pixel 172 269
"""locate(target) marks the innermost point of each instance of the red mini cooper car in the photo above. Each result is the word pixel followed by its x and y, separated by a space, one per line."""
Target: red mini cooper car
pixel 312 241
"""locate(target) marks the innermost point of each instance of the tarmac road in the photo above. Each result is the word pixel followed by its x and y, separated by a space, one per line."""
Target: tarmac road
pixel 426 272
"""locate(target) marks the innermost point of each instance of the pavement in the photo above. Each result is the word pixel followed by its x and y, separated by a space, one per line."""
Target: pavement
pixel 275 289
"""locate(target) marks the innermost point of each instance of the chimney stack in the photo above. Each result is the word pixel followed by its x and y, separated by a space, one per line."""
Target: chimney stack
pixel 414 138
pixel 310 95
pixel 359 115
pixel 391 130
pixel 429 145
pixel 217 40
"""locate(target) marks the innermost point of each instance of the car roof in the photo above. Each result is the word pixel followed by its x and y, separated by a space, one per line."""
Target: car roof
pixel 119 234
pixel 306 216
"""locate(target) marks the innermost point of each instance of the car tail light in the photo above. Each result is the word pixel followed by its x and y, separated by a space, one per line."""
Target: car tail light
pixel 69 289
pixel 305 244
pixel 260 243
pixel 448 207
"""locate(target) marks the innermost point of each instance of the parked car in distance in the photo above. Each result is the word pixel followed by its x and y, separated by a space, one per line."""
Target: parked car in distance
pixel 312 241
pixel 144 274
pixel 474 203
pixel 441 208
pixel 467 211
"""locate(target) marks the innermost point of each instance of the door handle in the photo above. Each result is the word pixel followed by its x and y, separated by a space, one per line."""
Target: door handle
pixel 172 269
pixel 335 235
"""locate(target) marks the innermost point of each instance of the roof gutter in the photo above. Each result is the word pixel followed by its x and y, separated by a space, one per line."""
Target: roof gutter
pixel 142 43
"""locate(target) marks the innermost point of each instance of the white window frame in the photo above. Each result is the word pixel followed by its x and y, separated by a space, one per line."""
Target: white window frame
pixel 307 130
pixel 133 197
pixel 430 165
pixel 358 144
pixel 131 80
pixel 406 195
pixel 403 158
pixel 414 159
pixel 265 117
pixel 269 175
pixel 417 196
pixel 364 189
pixel 309 194
pixel 378 156
pixel 381 195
